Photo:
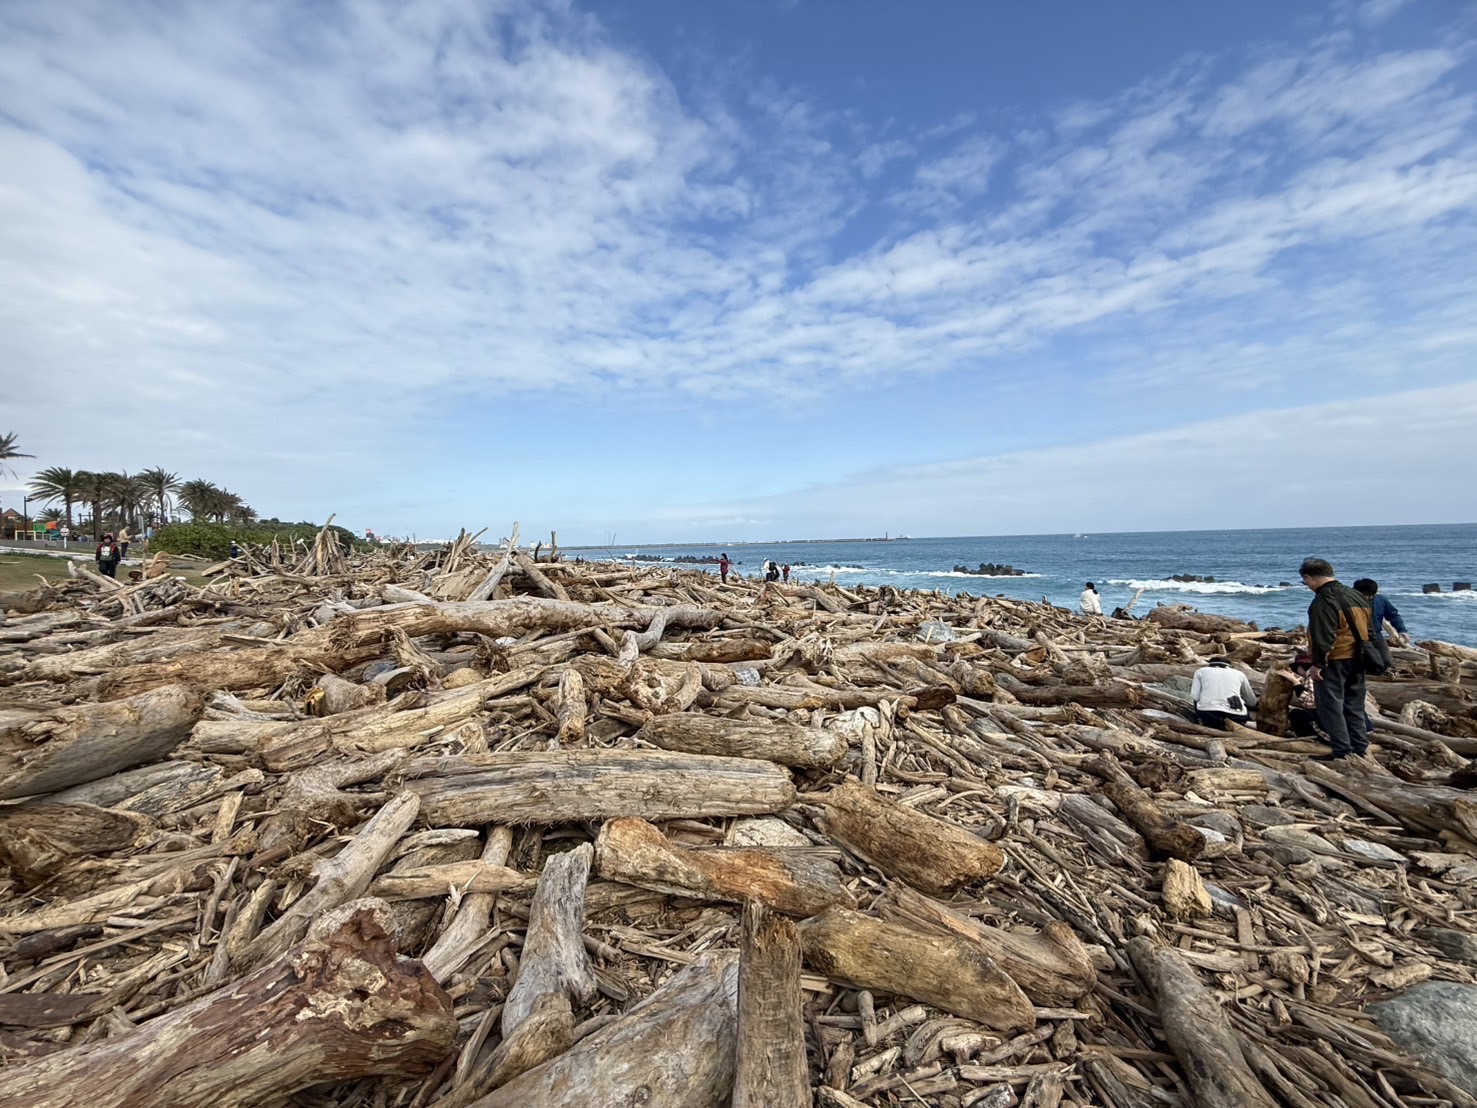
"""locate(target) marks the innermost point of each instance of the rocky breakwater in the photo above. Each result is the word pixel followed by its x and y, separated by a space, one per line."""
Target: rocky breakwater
pixel 990 569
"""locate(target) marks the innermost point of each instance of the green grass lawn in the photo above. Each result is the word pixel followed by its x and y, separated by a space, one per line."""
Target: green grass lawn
pixel 18 571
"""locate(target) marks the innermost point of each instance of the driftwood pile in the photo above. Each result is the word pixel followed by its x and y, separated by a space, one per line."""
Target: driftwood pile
pixel 450 829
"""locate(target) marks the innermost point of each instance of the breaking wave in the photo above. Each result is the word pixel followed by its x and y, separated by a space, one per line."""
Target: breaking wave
pixel 1204 587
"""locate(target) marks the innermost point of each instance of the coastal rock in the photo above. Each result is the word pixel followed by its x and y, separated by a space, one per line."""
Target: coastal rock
pixel 991 569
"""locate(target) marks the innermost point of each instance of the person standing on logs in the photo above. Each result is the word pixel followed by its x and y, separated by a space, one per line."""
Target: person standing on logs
pixel 1382 611
pixel 1221 693
pixel 107 556
pixel 1338 619
pixel 785 570
pixel 1090 603
pixel 724 565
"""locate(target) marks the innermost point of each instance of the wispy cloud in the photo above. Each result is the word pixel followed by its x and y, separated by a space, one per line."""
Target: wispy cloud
pixel 263 245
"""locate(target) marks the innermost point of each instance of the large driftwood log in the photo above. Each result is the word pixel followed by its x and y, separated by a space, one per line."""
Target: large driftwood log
pixel 547 1032
pixel 633 851
pixel 554 957
pixel 577 785
pixel 232 670
pixel 945 971
pixel 1425 809
pixel 1165 835
pixel 771 1068
pixel 785 743
pixel 1051 966
pixel 341 1006
pixel 1198 1031
pixel 926 852
pixel 91 741
pixel 675 1049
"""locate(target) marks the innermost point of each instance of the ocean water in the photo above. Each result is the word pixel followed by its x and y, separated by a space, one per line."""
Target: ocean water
pixel 1255 571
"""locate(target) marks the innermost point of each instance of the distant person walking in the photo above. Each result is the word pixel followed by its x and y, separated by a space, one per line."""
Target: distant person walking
pixel 1382 612
pixel 123 540
pixel 724 565
pixel 1221 693
pixel 1338 619
pixel 785 570
pixel 108 557
pixel 1090 603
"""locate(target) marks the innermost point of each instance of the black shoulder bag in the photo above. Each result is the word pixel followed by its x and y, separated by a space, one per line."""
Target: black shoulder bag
pixel 1365 652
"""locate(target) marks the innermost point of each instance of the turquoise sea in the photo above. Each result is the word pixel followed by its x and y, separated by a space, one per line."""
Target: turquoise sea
pixel 1255 571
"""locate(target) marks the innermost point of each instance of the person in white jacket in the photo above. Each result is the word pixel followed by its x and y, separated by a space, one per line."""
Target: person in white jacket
pixel 1090 603
pixel 1221 693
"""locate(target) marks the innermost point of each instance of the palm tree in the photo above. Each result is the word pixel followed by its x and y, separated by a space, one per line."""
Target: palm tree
pixel 8 451
pixel 200 498
pixel 162 485
pixel 58 483
pixel 98 492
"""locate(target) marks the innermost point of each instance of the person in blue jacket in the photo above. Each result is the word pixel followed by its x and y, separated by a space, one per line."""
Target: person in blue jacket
pixel 1380 611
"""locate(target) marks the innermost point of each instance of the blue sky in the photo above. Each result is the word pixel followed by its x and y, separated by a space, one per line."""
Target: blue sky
pixel 749 269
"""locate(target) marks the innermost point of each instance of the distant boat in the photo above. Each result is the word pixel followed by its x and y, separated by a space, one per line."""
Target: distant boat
pixel 1079 536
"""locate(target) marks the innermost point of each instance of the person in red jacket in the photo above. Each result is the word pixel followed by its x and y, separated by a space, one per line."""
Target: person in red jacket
pixel 724 565
pixel 108 556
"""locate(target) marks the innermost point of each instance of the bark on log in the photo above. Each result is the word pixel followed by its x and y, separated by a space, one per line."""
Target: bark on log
pixel 1089 696
pixel 25 603
pixel 927 853
pixel 785 743
pixel 554 957
pixel 771 1070
pixel 1164 835
pixel 1424 809
pixel 633 851
pixel 572 707
pixel 1198 1031
pixel 93 741
pixel 945 971
pixel 1276 700
pixel 578 785
pixel 418 882
pixel 1052 967
pixel 1183 618
pixel 341 1006
pixel 675 1049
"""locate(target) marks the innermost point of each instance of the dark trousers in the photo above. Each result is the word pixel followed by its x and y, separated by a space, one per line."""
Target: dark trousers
pixel 1217 720
pixel 1340 697
pixel 1303 723
pixel 109 569
pixel 122 551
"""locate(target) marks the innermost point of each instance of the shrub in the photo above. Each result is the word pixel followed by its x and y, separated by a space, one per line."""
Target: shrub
pixel 213 540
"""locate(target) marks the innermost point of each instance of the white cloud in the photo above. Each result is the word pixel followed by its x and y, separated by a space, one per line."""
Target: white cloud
pixel 257 246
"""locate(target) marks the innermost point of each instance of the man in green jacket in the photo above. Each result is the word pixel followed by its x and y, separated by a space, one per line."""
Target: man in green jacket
pixel 1338 673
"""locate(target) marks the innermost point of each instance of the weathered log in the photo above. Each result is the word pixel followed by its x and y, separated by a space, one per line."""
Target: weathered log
pixel 314 800
pixel 91 741
pixel 25 603
pixel 675 1049
pixel 770 1068
pixel 1116 695
pixel 926 852
pixel 1198 1031
pixel 1165 835
pixel 38 840
pixel 407 721
pixel 1425 809
pixel 593 784
pixel 332 695
pixel 340 1006
pixel 572 707
pixel 1276 700
pixel 418 882
pixel 1051 966
pixel 1183 618
pixel 460 937
pixel 785 743
pixel 341 878
pixel 633 851
pixel 251 668
pixel 547 1032
pixel 554 956
pixel 943 970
